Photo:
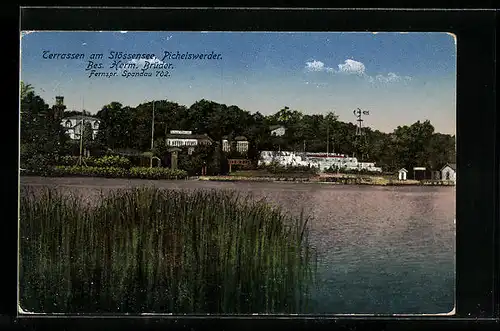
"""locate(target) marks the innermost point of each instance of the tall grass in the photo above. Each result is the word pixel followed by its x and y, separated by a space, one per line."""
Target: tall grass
pixel 166 251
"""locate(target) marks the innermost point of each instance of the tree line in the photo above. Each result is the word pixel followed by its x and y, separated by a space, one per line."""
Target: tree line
pixel 125 127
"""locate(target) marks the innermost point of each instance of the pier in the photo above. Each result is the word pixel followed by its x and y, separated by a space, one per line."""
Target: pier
pixel 435 182
pixel 343 180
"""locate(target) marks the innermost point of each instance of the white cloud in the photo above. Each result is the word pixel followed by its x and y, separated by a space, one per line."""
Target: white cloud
pixel 389 78
pixel 315 66
pixel 83 44
pixel 352 67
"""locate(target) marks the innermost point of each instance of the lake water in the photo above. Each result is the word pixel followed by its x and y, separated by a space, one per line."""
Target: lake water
pixel 382 250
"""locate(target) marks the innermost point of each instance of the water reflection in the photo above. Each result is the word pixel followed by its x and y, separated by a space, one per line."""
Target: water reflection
pixel 381 249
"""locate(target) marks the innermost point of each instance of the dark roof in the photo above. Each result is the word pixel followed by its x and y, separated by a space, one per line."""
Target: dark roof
pixel 240 138
pixel 451 165
pixel 188 136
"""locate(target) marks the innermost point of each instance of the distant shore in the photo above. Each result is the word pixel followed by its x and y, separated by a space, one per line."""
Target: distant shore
pixel 331 180
pixel 326 179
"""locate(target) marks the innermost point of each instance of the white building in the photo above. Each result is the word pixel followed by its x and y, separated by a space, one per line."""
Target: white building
pixel 73 125
pixel 318 160
pixel 402 174
pixel 449 172
pixel 178 138
pixel 277 130
pixel 226 145
pixel 241 144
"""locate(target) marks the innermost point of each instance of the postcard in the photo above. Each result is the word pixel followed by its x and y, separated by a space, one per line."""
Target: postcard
pixel 237 173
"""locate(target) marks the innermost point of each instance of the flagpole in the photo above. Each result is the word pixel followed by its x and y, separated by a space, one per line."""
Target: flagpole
pixel 152 135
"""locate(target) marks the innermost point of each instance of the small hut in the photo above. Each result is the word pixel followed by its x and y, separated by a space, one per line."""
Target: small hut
pixel 402 174
pixel 419 173
pixel 449 172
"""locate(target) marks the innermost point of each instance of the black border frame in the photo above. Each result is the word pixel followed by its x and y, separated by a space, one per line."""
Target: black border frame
pixel 477 157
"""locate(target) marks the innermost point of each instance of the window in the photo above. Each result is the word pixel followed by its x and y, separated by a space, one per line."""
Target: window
pixel 447 175
pixel 68 123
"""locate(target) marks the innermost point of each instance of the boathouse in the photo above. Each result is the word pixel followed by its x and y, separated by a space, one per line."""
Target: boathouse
pixel 402 174
pixel 419 173
pixel 449 172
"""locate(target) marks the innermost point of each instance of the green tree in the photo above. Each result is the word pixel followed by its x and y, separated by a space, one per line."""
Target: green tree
pixel 42 136
pixel 116 129
pixel 411 145
pixel 25 90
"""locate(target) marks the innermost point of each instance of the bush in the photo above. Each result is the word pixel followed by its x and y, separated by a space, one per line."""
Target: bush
pixel 352 171
pixel 113 161
pixel 112 172
pixel 276 168
pixel 157 173
pixel 36 164
pixel 105 161
pixel 69 160
pixel 115 172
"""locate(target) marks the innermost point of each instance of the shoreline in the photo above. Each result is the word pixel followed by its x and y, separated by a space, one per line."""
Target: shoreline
pixel 352 181
pixel 340 181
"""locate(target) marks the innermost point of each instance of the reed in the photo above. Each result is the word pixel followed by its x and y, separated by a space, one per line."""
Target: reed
pixel 165 251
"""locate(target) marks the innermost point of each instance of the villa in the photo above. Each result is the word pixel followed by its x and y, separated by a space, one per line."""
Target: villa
pixel 73 125
pixel 322 161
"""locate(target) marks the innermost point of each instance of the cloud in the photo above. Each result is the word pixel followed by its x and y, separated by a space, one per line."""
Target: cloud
pixel 348 67
pixel 353 67
pixel 389 78
pixel 123 31
pixel 315 65
pixel 84 44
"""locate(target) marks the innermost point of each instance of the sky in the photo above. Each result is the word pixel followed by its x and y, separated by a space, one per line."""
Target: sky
pixel 399 78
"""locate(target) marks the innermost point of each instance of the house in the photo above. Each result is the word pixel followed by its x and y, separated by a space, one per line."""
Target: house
pixel 277 130
pixel 449 172
pixel 241 144
pixel 178 138
pixel 402 174
pixel 73 125
pixel 226 145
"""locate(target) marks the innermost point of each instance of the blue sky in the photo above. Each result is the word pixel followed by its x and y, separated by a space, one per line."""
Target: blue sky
pixel 399 77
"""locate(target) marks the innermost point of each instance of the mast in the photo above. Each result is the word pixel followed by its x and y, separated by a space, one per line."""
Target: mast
pixel 327 139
